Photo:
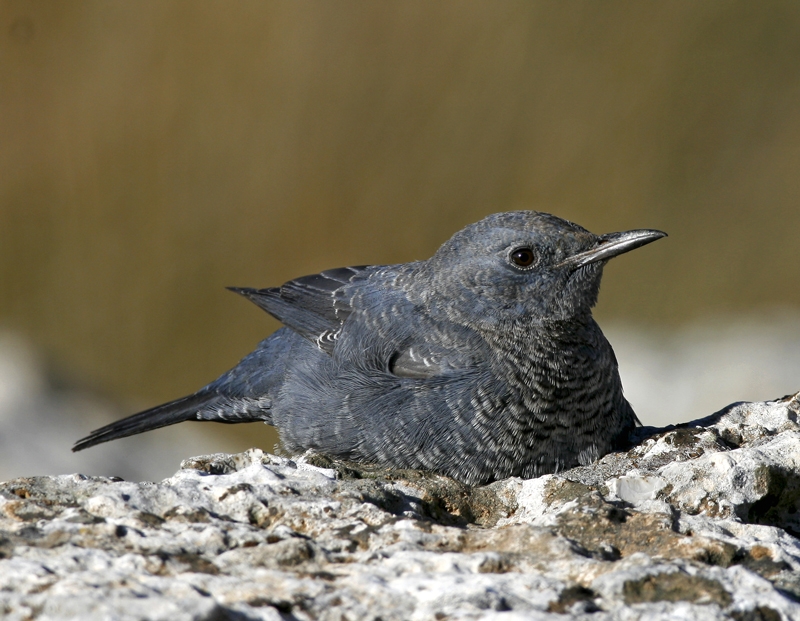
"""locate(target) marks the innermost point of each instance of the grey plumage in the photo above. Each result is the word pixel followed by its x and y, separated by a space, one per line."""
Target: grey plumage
pixel 482 362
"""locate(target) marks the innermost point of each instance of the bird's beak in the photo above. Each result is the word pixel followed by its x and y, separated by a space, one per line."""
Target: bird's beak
pixel 612 244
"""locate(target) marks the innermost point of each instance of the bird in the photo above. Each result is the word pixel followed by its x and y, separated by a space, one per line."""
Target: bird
pixel 480 363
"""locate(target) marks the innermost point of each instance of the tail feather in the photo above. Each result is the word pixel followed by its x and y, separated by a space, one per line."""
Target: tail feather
pixel 242 395
pixel 185 408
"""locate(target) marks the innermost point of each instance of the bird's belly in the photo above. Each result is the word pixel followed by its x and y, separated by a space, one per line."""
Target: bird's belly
pixel 477 425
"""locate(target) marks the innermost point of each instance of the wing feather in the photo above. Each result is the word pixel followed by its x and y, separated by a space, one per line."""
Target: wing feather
pixel 416 346
pixel 314 306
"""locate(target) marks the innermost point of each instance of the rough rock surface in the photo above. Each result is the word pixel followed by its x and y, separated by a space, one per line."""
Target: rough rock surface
pixel 698 521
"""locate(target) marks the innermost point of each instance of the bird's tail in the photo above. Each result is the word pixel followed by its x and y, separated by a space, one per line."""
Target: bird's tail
pixel 242 395
pixel 185 408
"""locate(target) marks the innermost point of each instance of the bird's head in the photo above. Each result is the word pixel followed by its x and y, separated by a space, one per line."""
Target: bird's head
pixel 523 264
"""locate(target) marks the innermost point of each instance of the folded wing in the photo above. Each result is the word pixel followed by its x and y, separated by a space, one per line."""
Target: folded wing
pixel 314 306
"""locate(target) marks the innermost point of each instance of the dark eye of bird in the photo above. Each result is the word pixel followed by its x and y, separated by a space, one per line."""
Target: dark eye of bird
pixel 522 257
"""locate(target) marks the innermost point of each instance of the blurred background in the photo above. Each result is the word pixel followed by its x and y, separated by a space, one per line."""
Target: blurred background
pixel 152 153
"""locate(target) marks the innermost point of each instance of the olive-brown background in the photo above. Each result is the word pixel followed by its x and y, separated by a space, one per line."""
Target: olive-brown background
pixel 153 152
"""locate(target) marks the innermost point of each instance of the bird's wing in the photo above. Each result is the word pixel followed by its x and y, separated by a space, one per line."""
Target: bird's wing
pixel 314 306
pixel 407 340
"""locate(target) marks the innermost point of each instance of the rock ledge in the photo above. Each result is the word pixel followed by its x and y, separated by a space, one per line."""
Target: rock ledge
pixel 698 521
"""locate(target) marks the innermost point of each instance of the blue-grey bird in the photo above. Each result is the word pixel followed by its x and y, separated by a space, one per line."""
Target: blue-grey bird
pixel 481 363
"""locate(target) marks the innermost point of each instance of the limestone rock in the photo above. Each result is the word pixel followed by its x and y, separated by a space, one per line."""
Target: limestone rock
pixel 698 521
